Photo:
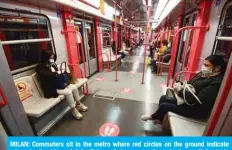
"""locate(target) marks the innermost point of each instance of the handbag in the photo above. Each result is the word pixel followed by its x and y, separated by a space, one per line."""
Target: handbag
pixel 62 76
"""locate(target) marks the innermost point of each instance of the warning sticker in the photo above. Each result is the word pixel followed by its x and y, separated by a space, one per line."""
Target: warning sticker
pixel 23 90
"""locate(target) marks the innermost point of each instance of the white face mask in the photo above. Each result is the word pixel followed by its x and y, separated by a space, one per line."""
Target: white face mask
pixel 169 45
pixel 51 60
pixel 206 70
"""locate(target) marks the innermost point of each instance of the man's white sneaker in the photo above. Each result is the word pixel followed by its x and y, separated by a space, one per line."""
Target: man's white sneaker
pixel 82 107
pixel 76 114
pixel 146 117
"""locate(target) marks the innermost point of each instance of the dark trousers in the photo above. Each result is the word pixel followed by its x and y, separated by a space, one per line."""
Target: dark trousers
pixel 168 103
pixel 153 62
pixel 122 55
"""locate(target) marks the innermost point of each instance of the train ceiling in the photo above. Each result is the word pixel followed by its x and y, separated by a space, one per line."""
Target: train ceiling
pixel 135 10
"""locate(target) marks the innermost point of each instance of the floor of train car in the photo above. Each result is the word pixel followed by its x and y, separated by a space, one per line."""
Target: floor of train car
pixel 127 107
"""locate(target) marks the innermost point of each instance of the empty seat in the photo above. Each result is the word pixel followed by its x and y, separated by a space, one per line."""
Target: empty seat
pixel 36 105
pixel 183 126
pixel 106 55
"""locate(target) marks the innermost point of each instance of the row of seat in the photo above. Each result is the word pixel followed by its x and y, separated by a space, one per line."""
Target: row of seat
pixel 42 112
pixel 36 105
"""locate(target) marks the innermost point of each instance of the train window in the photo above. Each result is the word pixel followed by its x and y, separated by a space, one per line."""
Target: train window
pixel 90 38
pixel 23 37
pixel 106 35
pixel 223 45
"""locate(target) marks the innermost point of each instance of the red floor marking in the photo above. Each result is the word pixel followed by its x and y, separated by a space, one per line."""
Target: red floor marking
pixel 126 90
pixel 131 72
pixel 109 129
pixel 99 78
pixel 161 85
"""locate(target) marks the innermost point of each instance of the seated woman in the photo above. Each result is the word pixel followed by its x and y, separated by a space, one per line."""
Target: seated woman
pixel 160 52
pixel 198 102
pixel 48 85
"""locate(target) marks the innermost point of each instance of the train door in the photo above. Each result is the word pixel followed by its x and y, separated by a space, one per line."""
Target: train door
pixel 185 44
pixel 86 29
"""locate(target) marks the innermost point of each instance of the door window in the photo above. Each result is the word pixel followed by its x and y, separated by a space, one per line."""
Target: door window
pixel 90 38
pixel 79 28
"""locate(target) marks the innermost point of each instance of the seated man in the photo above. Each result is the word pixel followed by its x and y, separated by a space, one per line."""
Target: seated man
pixel 197 99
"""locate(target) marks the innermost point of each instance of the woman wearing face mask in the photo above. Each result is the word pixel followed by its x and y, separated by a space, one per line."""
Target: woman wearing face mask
pixel 205 86
pixel 48 85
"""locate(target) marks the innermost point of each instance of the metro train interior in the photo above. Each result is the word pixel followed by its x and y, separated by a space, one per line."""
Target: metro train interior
pixel 126 63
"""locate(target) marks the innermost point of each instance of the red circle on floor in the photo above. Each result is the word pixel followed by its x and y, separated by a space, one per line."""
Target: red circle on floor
pixel 99 78
pixel 126 90
pixel 109 129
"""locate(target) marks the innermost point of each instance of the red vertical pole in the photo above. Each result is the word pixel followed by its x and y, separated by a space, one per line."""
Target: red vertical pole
pixel 115 30
pixel 98 44
pixel 146 42
pixel 70 38
pixel 121 36
pixel 129 36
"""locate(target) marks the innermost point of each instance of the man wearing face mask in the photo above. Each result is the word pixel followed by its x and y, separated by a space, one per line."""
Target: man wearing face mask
pixel 197 100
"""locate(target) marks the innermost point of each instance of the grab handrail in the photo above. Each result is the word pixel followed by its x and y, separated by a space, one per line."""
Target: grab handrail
pixel 109 69
pixel 175 46
pixel 87 89
pixel 182 72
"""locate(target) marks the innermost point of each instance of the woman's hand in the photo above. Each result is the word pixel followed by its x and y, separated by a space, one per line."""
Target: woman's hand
pixel 178 86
